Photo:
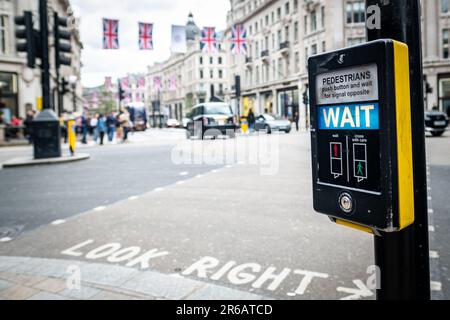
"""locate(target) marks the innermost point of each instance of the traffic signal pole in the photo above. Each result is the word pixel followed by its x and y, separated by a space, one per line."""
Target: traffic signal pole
pixel 45 65
pixel 403 257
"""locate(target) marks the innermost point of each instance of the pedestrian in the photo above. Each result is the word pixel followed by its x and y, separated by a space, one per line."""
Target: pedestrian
pixel 251 120
pixel 84 128
pixel 124 119
pixel 296 120
pixel 63 125
pixel 94 127
pixel 111 122
pixel 28 126
pixel 119 127
pixel 101 127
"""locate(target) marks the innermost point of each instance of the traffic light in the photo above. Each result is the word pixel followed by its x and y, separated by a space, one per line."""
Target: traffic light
pixel 62 41
pixel 64 86
pixel 429 89
pixel 305 98
pixel 237 85
pixel 26 37
pixel 121 93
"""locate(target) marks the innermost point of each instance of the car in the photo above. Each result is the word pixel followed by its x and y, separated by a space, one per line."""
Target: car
pixel 172 123
pixel 436 123
pixel 211 119
pixel 270 123
pixel 185 122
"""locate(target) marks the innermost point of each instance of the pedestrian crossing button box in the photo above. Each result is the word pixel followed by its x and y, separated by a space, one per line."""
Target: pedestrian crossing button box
pixel 361 136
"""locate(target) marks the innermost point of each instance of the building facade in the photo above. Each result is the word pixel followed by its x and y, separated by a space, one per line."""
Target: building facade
pixel 282 34
pixel 20 86
pixel 186 79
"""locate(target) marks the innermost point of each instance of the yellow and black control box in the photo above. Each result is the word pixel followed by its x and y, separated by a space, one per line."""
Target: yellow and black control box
pixel 361 136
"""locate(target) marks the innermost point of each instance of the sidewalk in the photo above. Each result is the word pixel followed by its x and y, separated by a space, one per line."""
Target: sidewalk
pixel 51 279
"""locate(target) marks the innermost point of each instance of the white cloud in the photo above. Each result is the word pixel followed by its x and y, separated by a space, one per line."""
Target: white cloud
pixel 99 63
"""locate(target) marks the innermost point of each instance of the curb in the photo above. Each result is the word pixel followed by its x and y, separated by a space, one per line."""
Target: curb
pixel 27 161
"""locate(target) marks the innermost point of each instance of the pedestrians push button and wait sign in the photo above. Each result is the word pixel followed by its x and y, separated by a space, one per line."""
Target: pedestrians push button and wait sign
pixel 361 136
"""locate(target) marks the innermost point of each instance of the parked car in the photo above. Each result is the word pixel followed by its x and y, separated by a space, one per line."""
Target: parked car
pixel 436 123
pixel 172 123
pixel 211 119
pixel 270 123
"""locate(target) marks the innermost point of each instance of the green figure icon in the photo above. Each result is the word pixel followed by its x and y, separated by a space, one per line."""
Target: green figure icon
pixel 360 169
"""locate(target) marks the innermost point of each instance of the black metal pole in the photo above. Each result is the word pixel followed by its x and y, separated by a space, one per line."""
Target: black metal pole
pixel 45 66
pixel 58 84
pixel 403 257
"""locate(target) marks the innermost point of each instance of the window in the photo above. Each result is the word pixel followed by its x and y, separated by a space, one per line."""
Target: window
pixel 220 88
pixel 220 60
pixel 314 49
pixel 280 40
pixel 306 56
pixel 295 31
pixel 324 46
pixel 250 30
pixel 279 14
pixel 201 60
pixel 286 8
pixel 220 74
pixel 295 5
pixel 355 41
pixel 211 60
pixel 297 62
pixel 313 21
pixel 286 33
pixel 355 12
pixel 306 24
pixel 273 17
pixel 4 33
pixel 322 13
pixel 266 43
pixel 257 75
pixel 211 73
pixel 445 43
pixel 280 68
pixel 267 20
pixel 201 74
pixel 273 41
pixel 444 6
pixel 256 27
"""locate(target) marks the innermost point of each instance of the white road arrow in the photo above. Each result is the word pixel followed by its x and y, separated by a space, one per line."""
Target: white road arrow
pixel 356 293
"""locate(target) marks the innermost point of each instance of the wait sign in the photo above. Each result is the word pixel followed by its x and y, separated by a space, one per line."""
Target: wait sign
pixel 361 136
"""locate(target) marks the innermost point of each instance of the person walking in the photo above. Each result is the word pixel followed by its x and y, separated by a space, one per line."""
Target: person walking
pixel 101 127
pixel 94 127
pixel 296 120
pixel 84 128
pixel 119 127
pixel 111 123
pixel 251 120
pixel 124 120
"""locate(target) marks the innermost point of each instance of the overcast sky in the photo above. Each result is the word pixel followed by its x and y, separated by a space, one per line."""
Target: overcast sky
pixel 99 63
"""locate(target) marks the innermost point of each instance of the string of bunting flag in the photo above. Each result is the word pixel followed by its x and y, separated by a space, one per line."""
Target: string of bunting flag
pixel 209 40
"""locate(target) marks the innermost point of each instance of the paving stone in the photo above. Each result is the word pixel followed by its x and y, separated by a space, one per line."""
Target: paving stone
pixel 106 275
pixel 18 292
pixel 51 285
pixel 4 284
pixel 160 285
pixel 213 292
pixel 7 263
pixel 85 293
pixel 21 279
pixel 47 296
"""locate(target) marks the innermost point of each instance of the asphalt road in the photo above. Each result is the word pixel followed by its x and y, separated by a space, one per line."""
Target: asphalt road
pixel 227 224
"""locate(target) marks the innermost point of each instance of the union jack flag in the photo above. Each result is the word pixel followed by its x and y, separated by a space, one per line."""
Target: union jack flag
pixel 125 83
pixel 208 42
pixel 141 82
pixel 173 83
pixel 108 83
pixel 239 40
pixel 110 34
pixel 157 83
pixel 145 36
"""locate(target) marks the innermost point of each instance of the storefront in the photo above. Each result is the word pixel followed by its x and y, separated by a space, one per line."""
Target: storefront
pixel 248 102
pixel 288 102
pixel 9 95
pixel 444 93
pixel 267 102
